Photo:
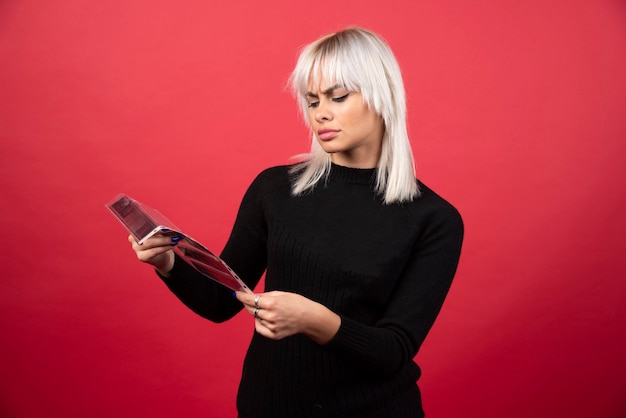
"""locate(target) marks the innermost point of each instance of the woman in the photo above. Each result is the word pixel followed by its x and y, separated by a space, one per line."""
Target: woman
pixel 358 254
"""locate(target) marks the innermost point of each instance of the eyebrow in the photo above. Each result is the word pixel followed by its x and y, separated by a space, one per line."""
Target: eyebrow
pixel 325 92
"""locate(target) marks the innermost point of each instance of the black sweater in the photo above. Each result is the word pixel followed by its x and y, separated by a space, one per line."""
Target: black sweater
pixel 385 269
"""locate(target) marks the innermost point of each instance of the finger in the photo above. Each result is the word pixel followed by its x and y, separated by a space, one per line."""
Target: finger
pixel 247 299
pixel 243 298
pixel 151 253
pixel 262 328
pixel 155 242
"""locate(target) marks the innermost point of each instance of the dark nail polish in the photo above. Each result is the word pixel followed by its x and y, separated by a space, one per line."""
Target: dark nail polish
pixel 175 239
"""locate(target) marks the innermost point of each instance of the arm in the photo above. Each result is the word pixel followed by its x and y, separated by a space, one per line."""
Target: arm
pixel 244 253
pixel 395 339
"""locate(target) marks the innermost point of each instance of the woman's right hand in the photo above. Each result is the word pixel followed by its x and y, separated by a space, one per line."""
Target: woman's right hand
pixel 156 251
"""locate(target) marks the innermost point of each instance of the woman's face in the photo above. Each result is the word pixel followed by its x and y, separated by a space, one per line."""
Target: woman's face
pixel 345 126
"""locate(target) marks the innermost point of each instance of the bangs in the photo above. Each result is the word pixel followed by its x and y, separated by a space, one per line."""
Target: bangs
pixel 331 65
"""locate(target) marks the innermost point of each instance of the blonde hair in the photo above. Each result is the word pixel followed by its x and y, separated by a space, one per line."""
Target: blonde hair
pixel 360 61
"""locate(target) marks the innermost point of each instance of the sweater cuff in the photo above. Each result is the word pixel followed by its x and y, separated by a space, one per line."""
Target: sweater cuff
pixel 350 339
pixel 179 271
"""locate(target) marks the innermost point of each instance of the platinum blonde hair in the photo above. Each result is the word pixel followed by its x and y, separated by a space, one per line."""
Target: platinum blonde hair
pixel 360 61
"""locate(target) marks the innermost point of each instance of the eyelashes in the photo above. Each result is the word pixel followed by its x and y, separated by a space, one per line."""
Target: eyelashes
pixel 341 98
pixel 334 99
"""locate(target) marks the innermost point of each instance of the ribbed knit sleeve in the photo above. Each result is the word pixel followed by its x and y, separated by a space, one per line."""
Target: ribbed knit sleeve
pixel 204 296
pixel 394 340
pixel 245 253
pixel 246 249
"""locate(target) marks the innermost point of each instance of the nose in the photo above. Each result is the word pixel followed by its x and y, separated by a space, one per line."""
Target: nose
pixel 322 112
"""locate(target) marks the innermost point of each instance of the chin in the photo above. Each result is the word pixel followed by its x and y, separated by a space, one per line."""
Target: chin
pixel 329 148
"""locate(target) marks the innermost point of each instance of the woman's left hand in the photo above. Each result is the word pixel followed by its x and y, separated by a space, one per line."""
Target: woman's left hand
pixel 281 314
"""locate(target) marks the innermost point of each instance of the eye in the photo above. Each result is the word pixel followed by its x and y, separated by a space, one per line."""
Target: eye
pixel 313 104
pixel 341 98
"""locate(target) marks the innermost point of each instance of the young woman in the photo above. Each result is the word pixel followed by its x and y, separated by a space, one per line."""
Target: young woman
pixel 358 254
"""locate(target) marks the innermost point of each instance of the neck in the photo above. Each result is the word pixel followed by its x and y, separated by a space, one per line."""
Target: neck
pixel 352 161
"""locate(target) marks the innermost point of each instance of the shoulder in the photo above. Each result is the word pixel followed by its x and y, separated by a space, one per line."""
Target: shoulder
pixel 273 176
pixel 271 179
pixel 269 184
pixel 432 199
pixel 431 207
pixel 276 172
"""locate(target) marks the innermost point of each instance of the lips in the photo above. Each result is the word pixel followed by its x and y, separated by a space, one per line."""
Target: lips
pixel 327 134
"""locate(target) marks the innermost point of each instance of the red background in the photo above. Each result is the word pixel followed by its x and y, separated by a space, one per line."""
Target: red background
pixel 516 116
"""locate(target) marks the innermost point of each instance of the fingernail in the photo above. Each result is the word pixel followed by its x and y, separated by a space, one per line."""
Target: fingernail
pixel 234 294
pixel 165 230
pixel 175 239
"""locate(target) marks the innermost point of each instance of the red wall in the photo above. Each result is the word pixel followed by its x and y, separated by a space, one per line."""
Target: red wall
pixel 517 117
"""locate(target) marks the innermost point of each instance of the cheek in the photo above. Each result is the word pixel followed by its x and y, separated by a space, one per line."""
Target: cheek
pixel 369 119
pixel 354 116
pixel 310 118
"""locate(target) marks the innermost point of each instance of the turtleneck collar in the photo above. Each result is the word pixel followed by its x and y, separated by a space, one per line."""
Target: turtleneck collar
pixel 352 175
